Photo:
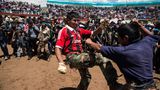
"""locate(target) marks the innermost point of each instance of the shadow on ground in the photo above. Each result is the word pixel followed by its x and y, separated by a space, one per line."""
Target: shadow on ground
pixel 68 88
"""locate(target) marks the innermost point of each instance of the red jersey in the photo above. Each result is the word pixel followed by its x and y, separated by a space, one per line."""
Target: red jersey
pixel 69 40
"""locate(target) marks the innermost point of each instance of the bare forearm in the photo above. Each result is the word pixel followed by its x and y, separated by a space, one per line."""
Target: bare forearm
pixel 58 54
pixel 158 45
pixel 145 31
pixel 97 31
pixel 103 25
pixel 94 45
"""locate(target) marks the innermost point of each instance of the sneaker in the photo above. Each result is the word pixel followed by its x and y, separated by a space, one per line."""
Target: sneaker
pixel 62 68
pixel 6 58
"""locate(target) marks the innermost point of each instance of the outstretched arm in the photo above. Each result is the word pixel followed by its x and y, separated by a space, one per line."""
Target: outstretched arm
pixel 61 67
pixel 59 55
pixel 93 44
pixel 144 31
pixel 99 29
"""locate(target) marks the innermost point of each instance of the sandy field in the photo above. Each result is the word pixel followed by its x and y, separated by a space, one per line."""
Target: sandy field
pixel 34 74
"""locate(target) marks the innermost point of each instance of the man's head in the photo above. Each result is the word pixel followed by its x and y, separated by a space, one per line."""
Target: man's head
pixel 30 23
pixel 72 19
pixel 128 33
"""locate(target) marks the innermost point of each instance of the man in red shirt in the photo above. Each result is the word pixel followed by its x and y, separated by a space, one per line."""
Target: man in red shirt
pixel 69 44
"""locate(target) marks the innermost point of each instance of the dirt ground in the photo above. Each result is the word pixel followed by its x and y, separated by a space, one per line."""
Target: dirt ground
pixel 23 74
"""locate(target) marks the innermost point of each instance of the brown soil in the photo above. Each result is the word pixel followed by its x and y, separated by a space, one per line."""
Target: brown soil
pixel 23 74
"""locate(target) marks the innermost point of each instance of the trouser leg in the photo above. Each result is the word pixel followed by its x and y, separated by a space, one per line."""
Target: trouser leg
pixel 157 61
pixel 4 48
pixel 85 79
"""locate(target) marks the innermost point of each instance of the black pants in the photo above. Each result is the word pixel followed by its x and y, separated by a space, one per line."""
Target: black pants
pixel 32 46
pixel 85 79
pixel 4 48
pixel 157 60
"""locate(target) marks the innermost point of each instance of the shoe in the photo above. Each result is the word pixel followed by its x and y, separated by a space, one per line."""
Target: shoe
pixel 62 68
pixel 6 58
pixel 29 58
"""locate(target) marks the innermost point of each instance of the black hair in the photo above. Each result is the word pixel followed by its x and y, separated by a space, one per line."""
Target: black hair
pixel 30 21
pixel 131 30
pixel 157 25
pixel 72 15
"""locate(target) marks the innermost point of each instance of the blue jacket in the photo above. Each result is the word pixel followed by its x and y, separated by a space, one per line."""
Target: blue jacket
pixel 134 60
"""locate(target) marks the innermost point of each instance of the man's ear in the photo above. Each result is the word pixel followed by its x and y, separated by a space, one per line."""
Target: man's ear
pixel 126 39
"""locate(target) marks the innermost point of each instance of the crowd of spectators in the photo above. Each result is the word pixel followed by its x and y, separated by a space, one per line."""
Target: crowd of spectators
pixel 19 7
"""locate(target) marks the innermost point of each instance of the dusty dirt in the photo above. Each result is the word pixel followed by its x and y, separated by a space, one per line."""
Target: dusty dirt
pixel 23 74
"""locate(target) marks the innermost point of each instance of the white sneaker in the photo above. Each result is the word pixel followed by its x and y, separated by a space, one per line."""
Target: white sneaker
pixel 62 68
pixel 6 58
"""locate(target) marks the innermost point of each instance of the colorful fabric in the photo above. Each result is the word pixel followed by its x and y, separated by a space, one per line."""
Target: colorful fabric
pixel 82 60
pixel 74 39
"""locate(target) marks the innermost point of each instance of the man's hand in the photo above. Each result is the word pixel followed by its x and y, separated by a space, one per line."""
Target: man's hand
pixel 62 68
pixel 104 23
pixel 88 41
pixel 93 44
pixel 136 22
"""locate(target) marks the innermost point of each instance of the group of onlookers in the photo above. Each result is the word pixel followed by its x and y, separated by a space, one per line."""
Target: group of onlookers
pixel 19 7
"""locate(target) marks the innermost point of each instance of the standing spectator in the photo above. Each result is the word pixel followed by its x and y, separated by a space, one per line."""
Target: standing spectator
pixel 3 41
pixel 134 57
pixel 19 42
pixel 33 32
pixel 69 44
pixel 42 42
